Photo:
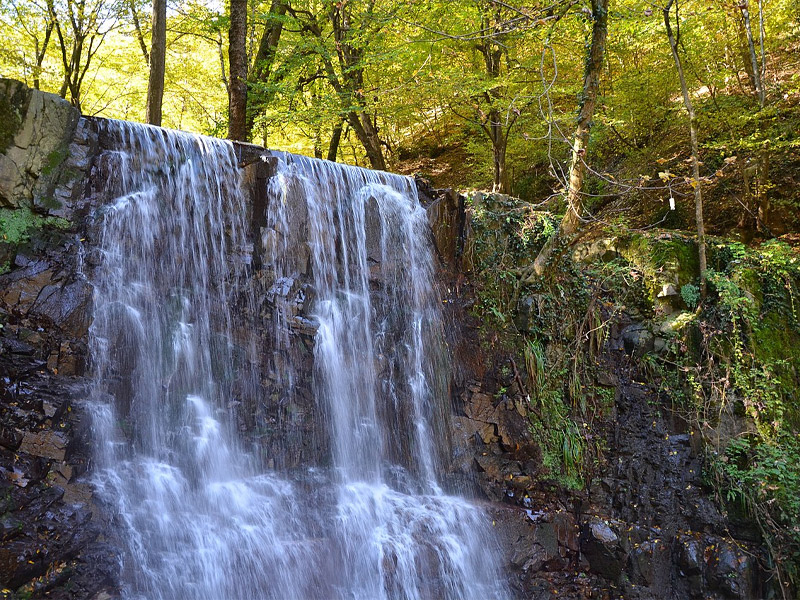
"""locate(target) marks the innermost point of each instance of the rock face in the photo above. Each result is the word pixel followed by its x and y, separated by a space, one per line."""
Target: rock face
pixel 647 530
pixel 36 134
pixel 50 528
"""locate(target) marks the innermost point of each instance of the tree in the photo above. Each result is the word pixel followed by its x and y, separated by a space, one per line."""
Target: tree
pixel 37 22
pixel 81 27
pixel 674 40
pixel 158 57
pixel 485 48
pixel 333 43
pixel 259 95
pixel 591 82
pixel 237 58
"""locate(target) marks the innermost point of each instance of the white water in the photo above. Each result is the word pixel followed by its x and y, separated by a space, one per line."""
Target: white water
pixel 199 516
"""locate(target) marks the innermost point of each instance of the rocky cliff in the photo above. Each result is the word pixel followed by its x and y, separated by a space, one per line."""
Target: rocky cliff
pixel 643 527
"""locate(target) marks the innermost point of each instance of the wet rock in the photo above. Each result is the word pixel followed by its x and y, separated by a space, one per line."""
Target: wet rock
pixel 24 286
pixel 47 444
pixel 601 546
pixel 373 231
pixel 730 570
pixel 447 219
pixel 13 346
pixel 606 378
pixel 68 305
pixel 10 438
pixel 641 563
pixel 527 312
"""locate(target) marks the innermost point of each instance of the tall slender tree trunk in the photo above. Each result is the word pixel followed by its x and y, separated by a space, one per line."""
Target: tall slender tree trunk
pixel 264 60
pixel 138 28
pixel 758 67
pixel 696 183
pixel 577 172
pixel 237 58
pixel 758 84
pixel 499 140
pixel 158 59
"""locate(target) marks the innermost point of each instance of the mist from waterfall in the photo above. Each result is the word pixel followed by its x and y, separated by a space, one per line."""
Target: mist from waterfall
pixel 199 514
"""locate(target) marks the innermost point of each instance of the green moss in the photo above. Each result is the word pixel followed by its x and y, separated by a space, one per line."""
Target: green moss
pixel 54 159
pixel 14 102
pixel 663 259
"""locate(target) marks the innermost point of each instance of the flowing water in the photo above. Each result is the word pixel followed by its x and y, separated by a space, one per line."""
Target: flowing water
pixel 197 511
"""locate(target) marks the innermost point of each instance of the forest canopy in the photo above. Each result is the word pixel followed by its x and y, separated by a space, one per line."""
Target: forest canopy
pixel 375 82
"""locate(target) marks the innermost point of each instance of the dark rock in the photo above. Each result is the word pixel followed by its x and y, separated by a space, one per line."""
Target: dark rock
pixel 602 547
pixel 46 444
pixel 638 340
pixel 730 570
pixel 67 305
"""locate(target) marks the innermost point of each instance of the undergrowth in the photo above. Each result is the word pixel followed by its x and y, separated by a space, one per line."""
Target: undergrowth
pixel 728 358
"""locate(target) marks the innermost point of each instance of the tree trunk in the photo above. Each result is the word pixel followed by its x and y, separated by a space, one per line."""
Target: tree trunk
pixel 336 137
pixel 367 134
pixel 501 183
pixel 577 171
pixel 158 58
pixel 696 184
pixel 40 54
pixel 138 28
pixel 265 58
pixel 758 84
pixel 237 58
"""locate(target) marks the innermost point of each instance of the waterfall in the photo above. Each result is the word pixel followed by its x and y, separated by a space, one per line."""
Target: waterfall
pixel 199 514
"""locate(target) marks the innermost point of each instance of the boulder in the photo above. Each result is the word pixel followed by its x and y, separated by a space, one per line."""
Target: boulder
pixel 37 129
pixel 602 547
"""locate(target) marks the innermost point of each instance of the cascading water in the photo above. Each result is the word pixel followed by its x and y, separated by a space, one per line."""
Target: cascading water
pixel 199 514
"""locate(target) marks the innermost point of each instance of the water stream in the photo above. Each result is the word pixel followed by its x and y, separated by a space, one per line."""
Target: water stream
pixel 197 511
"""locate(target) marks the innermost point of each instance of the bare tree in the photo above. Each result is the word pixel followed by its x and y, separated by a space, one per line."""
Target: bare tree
pixel 577 172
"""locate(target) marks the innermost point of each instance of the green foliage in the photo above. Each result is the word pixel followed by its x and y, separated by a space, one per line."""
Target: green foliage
pixel 735 358
pixel 507 236
pixel 17 226
pixel 763 478
pixel 690 294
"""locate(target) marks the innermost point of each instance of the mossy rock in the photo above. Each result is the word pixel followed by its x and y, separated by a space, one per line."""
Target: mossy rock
pixel 14 100
pixel 36 129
